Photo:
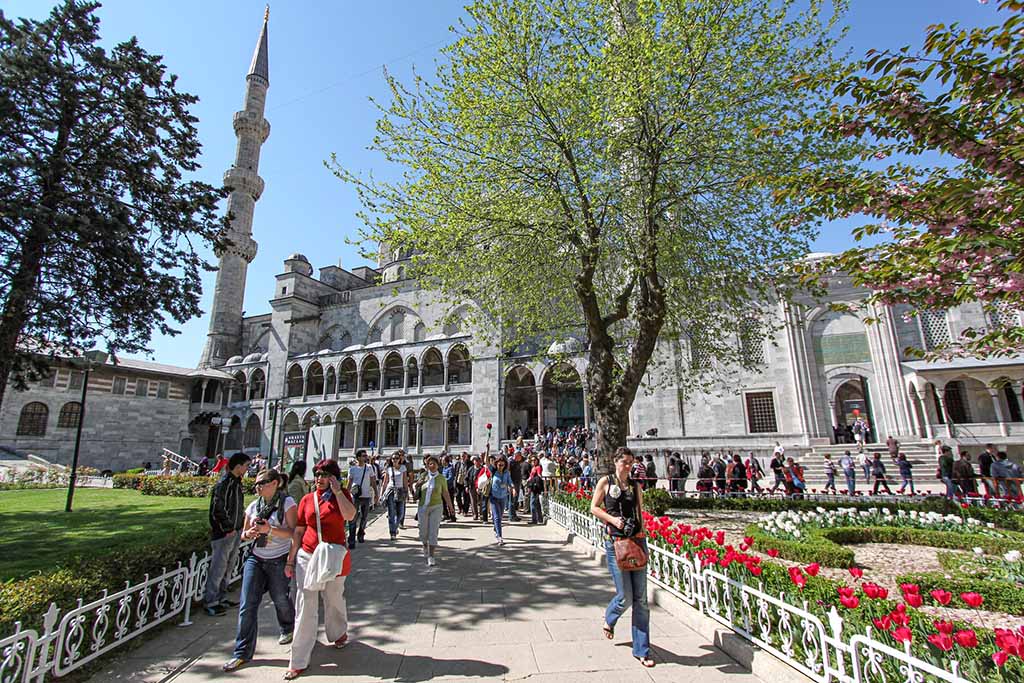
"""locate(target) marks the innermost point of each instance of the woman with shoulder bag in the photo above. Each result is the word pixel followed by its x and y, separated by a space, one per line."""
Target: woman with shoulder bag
pixel 320 562
pixel 618 502
pixel 433 493
pixel 393 484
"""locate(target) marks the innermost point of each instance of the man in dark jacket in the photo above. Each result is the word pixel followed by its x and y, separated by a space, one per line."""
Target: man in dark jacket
pixel 227 514
pixel 515 472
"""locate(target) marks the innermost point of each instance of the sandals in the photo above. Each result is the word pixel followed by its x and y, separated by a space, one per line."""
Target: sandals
pixel 292 674
pixel 646 662
pixel 609 632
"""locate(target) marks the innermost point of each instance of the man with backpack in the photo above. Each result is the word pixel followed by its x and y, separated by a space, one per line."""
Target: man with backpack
pixel 482 484
pixel 515 472
pixel 652 473
pixel 362 480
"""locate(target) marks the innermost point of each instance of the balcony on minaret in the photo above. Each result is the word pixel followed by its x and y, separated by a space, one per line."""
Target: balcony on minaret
pixel 251 122
pixel 238 244
pixel 238 178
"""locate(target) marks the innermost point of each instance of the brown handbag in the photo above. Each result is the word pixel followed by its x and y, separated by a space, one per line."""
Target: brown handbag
pixel 630 554
pixel 629 551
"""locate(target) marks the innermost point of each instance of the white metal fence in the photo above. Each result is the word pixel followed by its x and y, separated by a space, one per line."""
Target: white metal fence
pixel 90 630
pixel 790 632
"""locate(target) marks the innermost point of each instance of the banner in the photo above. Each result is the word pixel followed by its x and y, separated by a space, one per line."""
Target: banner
pixel 293 448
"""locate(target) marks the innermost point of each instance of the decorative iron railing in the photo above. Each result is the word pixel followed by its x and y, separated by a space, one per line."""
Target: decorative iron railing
pixel 790 632
pixel 90 630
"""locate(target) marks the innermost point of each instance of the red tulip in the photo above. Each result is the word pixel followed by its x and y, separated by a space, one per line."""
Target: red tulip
pixel 812 569
pixel 755 570
pixel 913 599
pixel 902 634
pixel 945 627
pixel 966 638
pixel 874 591
pixel 882 623
pixel 965 505
pixel 720 537
pixel 942 597
pixel 999 658
pixel 850 602
pixel 942 641
pixel 772 552
pixel 749 540
pixel 972 599
pixel 910 588
pixel 846 591
pixel 856 572
pixel 797 577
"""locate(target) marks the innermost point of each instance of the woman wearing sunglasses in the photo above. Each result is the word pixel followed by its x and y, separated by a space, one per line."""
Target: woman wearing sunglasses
pixel 336 509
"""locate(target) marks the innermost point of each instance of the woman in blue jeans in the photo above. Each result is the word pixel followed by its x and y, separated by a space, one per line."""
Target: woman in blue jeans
pixel 501 486
pixel 618 502
pixel 394 484
pixel 270 520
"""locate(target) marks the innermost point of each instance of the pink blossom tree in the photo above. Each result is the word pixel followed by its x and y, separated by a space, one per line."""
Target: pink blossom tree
pixel 940 167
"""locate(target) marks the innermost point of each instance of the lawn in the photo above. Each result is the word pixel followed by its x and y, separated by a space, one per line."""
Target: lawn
pixel 38 535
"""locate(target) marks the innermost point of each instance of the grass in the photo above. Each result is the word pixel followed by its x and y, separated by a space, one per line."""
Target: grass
pixel 38 535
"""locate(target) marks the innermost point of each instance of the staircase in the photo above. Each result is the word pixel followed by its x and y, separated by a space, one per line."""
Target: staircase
pixel 921 455
pixel 176 460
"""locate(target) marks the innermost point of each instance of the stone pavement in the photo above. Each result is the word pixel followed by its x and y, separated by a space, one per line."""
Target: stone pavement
pixel 531 609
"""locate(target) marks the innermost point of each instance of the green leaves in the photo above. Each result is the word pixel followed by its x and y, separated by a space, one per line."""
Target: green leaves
pixel 586 167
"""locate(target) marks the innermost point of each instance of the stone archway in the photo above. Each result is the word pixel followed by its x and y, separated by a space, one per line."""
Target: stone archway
pixel 852 399
pixel 520 403
pixel 563 397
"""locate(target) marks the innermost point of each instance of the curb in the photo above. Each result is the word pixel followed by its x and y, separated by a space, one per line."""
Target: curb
pixel 761 664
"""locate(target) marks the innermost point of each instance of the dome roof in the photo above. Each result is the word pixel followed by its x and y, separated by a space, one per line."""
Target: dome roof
pixel 297 257
pixel 253 358
pixel 565 346
pixel 265 357
pixel 354 347
pixel 234 360
pixel 324 352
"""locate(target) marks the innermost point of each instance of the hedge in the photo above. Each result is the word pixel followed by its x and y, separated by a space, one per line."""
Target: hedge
pixel 178 485
pixel 1007 519
pixel 27 600
pixel 825 546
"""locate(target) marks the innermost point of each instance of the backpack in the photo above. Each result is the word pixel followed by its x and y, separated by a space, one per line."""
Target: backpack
pixel 535 484
pixel 483 483
pixel 685 470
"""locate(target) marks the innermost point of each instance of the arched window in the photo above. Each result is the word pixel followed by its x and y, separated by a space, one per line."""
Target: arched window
pixel 374 336
pixel 253 432
pixel 32 421
pixel 397 325
pixel 257 385
pixel 69 416
pixel 315 379
pixel 419 333
pixel 294 381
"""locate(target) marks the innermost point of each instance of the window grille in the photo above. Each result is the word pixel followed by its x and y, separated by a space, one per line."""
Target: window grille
pixel 761 412
pixel 32 421
pixel 700 357
pixel 752 343
pixel 956 403
pixel 69 416
pixel 142 387
pixel 120 383
pixel 75 382
pixel 253 432
pixel 391 431
pixel 934 329
pixel 162 389
pixel 1004 316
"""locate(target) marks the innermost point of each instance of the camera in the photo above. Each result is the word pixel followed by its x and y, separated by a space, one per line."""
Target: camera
pixel 629 527
pixel 261 539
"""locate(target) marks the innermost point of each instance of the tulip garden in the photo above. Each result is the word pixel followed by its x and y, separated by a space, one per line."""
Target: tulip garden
pixel 924 618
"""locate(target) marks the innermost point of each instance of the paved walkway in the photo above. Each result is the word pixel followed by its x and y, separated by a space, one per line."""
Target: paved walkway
pixel 529 610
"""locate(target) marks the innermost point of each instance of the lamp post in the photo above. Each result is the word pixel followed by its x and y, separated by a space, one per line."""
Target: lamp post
pixel 91 358
pixel 224 425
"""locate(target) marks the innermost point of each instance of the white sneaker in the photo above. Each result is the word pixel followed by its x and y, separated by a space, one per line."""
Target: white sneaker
pixel 430 561
pixel 501 541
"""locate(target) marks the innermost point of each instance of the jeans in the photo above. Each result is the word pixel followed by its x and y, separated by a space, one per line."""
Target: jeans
pixel 357 527
pixel 907 481
pixel 222 561
pixel 258 577
pixel 630 591
pixel 462 497
pixel 851 481
pixel 950 487
pixel 485 505
pixel 396 510
pixel 497 508
pixel 867 471
pixel 513 503
pixel 830 482
pixel 536 511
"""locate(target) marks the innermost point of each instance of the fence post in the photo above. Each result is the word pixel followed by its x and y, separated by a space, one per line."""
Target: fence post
pixel 190 590
pixel 48 635
pixel 835 623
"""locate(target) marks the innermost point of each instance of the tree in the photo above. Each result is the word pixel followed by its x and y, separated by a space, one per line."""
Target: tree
pixel 586 166
pixel 943 134
pixel 98 228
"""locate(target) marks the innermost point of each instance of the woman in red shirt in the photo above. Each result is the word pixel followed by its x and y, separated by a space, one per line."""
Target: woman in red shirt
pixel 336 508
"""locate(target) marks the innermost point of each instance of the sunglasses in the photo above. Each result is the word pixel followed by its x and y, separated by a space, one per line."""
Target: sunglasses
pixel 318 475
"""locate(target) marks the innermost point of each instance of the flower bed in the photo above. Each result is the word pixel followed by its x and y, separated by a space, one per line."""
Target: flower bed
pixel 179 485
pixel 864 607
pixel 789 525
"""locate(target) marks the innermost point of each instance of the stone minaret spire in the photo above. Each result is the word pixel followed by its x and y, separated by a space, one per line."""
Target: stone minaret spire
pixel 225 336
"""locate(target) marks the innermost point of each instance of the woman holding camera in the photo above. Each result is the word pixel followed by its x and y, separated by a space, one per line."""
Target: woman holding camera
pixel 335 509
pixel 269 520
pixel 618 502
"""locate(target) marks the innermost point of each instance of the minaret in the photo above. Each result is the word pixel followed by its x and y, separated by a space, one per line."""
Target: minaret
pixel 225 336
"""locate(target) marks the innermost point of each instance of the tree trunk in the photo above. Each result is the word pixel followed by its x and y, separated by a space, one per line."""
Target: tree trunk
pixel 19 300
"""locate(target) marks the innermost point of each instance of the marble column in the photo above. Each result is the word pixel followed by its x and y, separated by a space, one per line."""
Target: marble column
pixel 540 410
pixel 446 374
pixel 359 383
pixel 940 394
pixel 419 436
pixel 405 379
pixel 1000 415
pixel 586 409
pixel 355 434
pixel 444 426
pixel 419 380
pixel 380 433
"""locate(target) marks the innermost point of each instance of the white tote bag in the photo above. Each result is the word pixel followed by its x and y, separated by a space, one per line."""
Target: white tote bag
pixel 326 561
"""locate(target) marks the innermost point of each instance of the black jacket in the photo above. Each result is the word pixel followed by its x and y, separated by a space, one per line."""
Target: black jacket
pixel 515 470
pixel 227 506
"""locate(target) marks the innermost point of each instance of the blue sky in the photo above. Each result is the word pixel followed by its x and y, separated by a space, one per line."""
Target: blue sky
pixel 325 62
